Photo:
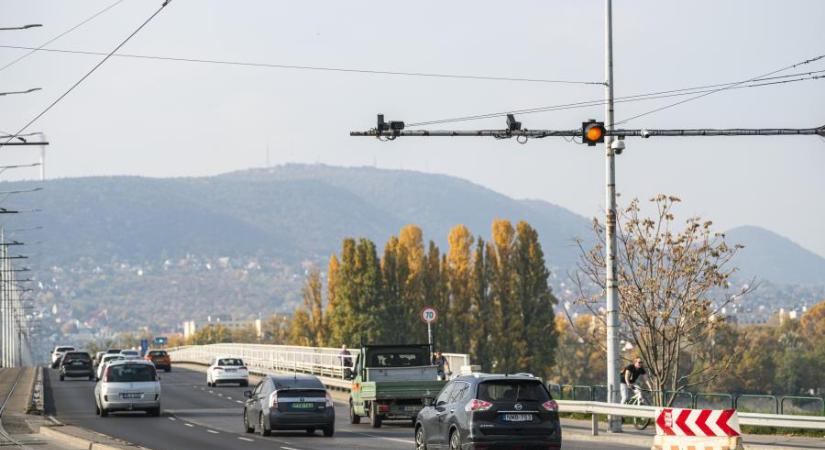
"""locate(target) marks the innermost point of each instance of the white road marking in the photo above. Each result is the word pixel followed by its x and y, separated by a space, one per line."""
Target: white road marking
pixel 172 419
pixel 405 441
pixel 238 401
pixel 211 391
pixel 228 397
pixel 212 431
pixel 289 448
pixel 189 425
pixel 246 439
pixel 220 395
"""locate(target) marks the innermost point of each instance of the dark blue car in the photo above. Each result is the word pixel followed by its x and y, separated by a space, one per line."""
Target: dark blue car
pixel 488 411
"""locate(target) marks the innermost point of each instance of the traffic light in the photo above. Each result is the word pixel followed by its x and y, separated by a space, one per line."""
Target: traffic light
pixel 593 132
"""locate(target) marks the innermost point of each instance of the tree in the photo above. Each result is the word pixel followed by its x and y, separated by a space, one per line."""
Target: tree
pixel 307 326
pixel 393 275
pixel 672 287
pixel 212 334
pixel 510 352
pixel 333 306
pixel 246 335
pixel 580 348
pixel 277 329
pixel 480 307
pixel 411 262
pixel 537 302
pixel 459 271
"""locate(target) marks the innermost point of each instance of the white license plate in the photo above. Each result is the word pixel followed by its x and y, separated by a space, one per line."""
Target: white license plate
pixel 231 370
pixel 518 417
pixel 411 408
pixel 130 395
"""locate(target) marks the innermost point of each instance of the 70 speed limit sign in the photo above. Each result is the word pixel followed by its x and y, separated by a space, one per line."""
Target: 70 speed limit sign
pixel 428 314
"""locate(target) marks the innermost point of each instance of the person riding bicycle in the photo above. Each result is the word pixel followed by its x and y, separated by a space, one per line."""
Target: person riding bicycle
pixel 443 366
pixel 630 375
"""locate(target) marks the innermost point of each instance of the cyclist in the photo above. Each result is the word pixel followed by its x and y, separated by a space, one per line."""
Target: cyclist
pixel 443 366
pixel 631 374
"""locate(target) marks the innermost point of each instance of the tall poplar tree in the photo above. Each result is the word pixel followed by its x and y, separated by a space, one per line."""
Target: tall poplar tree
pixel 510 350
pixel 481 308
pixel 333 308
pixel 459 272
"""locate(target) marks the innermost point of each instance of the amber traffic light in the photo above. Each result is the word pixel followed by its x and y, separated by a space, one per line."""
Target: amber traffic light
pixel 593 132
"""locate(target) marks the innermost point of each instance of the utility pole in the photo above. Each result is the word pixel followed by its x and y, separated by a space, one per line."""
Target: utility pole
pixel 611 291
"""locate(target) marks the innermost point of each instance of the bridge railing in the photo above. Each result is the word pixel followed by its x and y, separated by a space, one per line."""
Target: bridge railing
pixel 321 361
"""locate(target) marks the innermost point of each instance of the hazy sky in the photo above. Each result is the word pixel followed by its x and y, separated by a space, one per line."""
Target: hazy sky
pixel 161 118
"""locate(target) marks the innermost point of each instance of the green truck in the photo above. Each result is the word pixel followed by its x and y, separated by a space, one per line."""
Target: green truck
pixel 391 382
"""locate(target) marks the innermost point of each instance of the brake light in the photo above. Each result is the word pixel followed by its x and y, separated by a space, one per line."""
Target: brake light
pixel 273 400
pixel 477 405
pixel 329 403
pixel 107 374
pixel 550 405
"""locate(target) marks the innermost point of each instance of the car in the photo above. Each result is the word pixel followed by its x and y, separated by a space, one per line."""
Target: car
pixel 98 357
pixel 75 365
pixel 113 350
pixel 105 362
pixel 160 358
pixel 227 369
pixel 490 411
pixel 128 385
pixel 289 402
pixel 58 352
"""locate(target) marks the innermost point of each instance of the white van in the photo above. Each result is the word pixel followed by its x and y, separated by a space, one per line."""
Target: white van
pixel 128 385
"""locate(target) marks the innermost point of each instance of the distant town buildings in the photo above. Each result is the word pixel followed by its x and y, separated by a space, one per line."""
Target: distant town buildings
pixel 190 327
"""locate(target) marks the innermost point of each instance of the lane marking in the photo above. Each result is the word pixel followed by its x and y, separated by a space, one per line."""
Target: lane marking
pixel 212 431
pixel 211 391
pixel 289 448
pixel 228 397
pixel 246 439
pixel 238 401
pixel 189 425
pixel 405 441
pixel 172 419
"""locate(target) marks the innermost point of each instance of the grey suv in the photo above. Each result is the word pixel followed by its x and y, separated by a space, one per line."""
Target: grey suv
pixel 289 402
pixel 490 411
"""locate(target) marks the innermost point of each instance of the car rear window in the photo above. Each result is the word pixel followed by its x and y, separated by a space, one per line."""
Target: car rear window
pixel 74 356
pixel 65 349
pixel 113 350
pixel 398 359
pixel 512 391
pixel 230 362
pixel 301 393
pixel 130 373
pixel 157 353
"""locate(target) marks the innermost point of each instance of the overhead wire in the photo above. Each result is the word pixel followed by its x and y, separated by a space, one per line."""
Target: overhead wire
pixel 768 81
pixel 89 73
pixel 84 22
pixel 705 94
pixel 316 68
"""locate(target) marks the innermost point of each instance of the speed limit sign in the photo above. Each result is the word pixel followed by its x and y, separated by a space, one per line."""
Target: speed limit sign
pixel 428 314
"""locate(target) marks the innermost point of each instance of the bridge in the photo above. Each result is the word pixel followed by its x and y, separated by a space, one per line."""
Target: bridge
pixel 201 417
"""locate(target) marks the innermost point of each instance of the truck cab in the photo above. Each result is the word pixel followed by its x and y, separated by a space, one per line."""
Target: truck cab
pixel 391 382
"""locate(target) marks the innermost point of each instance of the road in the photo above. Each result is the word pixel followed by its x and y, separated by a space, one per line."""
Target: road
pixel 198 417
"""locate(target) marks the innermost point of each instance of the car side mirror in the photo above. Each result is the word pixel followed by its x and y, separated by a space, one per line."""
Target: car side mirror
pixel 247 394
pixel 348 375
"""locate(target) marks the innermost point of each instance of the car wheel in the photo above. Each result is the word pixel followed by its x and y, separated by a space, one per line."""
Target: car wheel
pixel 244 383
pixel 154 412
pixel 103 412
pixel 62 377
pixel 310 430
pixel 354 419
pixel 91 378
pixel 455 440
pixel 374 416
pixel 246 427
pixel 167 370
pixel 329 430
pixel 261 423
pixel 97 409
pixel 420 439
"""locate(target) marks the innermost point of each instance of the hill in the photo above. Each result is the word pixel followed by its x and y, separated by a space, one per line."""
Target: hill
pixel 769 256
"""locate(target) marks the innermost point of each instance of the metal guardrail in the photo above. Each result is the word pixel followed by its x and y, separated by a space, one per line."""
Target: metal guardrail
pixel 324 362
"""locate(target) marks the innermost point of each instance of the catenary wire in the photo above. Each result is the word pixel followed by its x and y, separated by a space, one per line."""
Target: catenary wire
pixel 317 68
pixel 90 72
pixel 705 94
pixel 630 98
pixel 87 20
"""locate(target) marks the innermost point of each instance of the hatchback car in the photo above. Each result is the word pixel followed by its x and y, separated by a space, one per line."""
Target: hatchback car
pixel 227 369
pixel 128 385
pixel 289 402
pixel 75 365
pixel 58 352
pixel 160 359
pixel 490 411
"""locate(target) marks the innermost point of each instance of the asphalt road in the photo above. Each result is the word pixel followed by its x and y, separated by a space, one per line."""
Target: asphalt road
pixel 198 417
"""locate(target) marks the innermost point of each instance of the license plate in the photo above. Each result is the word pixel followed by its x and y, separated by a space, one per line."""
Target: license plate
pixel 303 405
pixel 130 395
pixel 518 417
pixel 77 363
pixel 231 370
pixel 411 408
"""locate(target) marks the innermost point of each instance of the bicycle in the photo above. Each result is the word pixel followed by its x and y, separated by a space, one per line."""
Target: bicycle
pixel 638 399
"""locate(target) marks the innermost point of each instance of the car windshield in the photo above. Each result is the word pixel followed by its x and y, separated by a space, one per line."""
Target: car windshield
pixel 130 373
pixel 64 349
pixel 230 362
pixel 512 391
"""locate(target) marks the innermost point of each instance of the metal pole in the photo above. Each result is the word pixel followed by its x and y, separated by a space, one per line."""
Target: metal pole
pixel 430 335
pixel 615 424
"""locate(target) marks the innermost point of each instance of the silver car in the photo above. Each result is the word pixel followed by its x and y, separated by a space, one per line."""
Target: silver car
pixel 128 385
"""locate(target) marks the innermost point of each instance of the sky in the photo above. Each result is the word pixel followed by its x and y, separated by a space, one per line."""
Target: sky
pixel 170 119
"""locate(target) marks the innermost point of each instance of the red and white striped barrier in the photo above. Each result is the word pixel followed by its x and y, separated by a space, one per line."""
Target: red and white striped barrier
pixel 693 429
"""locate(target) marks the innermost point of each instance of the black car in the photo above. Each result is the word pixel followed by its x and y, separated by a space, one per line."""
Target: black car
pixel 491 412
pixel 76 364
pixel 289 402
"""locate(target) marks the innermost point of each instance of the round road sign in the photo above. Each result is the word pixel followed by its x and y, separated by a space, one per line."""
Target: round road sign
pixel 428 314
